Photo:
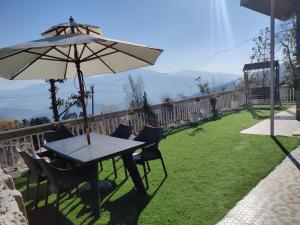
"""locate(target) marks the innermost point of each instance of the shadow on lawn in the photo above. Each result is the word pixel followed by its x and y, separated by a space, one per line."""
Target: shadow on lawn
pixel 254 110
pixel 255 114
pixel 124 210
pixel 127 209
pixel 287 153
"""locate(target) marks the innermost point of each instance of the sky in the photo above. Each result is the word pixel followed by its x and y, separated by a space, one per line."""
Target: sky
pixel 189 31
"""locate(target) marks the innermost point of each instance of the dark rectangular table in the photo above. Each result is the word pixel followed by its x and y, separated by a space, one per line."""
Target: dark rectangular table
pixel 101 147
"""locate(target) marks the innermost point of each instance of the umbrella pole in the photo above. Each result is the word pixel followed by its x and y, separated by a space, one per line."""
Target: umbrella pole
pixel 82 94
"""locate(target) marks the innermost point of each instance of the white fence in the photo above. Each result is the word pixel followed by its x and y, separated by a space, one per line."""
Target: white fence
pixel 107 123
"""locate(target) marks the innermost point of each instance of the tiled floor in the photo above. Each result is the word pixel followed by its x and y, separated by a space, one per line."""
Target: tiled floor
pixel 285 124
pixel 274 201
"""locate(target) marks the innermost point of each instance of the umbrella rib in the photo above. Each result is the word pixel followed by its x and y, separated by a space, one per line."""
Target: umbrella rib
pixel 110 53
pixel 101 50
pixel 64 54
pixel 50 56
pixel 84 45
pixel 102 60
pixel 78 30
pixel 15 53
pixel 89 30
pixel 28 65
pixel 126 53
pixel 67 63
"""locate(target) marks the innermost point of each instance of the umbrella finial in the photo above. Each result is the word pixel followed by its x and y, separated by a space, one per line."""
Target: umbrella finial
pixel 71 19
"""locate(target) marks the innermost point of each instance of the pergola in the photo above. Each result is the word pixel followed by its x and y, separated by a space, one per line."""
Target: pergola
pixel 262 95
pixel 282 10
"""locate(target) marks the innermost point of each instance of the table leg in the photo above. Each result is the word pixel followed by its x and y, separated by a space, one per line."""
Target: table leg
pixel 95 189
pixel 133 171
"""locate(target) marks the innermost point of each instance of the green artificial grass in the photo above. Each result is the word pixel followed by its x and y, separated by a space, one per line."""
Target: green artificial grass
pixel 211 167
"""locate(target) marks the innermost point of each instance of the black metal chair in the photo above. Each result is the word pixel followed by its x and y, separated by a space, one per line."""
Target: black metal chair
pixel 34 174
pixel 152 137
pixel 61 133
pixel 124 132
pixel 61 180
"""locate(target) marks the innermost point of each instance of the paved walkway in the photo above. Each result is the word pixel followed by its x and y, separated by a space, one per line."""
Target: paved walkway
pixel 274 201
pixel 285 125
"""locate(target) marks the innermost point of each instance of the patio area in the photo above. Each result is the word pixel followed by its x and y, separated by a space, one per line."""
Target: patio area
pixel 207 177
pixel 285 124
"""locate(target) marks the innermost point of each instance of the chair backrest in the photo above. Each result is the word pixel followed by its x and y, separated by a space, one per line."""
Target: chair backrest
pixel 31 162
pixel 61 133
pixel 150 135
pixel 122 131
pixel 51 172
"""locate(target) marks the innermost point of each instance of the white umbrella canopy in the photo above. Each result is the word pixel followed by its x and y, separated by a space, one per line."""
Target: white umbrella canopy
pixel 67 55
pixel 54 57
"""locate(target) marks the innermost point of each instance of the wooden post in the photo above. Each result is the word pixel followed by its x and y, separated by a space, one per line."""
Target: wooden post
pixel 246 87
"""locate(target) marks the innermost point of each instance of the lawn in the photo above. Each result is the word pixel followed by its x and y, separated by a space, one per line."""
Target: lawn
pixel 211 166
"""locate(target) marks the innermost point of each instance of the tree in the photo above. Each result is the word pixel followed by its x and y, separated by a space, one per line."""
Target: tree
pixel 203 86
pixel 151 117
pixel 135 91
pixel 75 100
pixel 56 103
pixel 261 51
pixel 287 40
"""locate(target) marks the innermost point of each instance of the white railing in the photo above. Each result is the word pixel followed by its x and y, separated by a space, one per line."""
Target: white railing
pixel 287 95
pixel 107 123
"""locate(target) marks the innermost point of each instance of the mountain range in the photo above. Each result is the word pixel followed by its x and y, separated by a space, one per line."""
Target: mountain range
pixel 18 100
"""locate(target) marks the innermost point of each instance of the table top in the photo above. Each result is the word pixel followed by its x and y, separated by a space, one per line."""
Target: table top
pixel 101 147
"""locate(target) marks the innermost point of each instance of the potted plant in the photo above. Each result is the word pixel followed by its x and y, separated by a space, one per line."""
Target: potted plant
pixel 169 103
pixel 194 115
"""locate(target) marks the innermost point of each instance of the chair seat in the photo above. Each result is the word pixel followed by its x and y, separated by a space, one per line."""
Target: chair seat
pixel 68 182
pixel 137 157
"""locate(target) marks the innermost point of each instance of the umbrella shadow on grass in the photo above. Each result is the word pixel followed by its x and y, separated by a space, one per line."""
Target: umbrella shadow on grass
pixel 127 209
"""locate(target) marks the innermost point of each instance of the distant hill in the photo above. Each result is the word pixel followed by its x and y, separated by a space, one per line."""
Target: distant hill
pixel 33 100
pixel 208 76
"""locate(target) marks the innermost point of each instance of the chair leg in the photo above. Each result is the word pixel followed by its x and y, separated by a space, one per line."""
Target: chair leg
pixel 101 166
pixel 164 167
pixel 126 174
pixel 37 194
pixel 115 169
pixel 57 205
pixel 145 174
pixel 77 191
pixel 46 197
pixel 148 166
pixel 27 185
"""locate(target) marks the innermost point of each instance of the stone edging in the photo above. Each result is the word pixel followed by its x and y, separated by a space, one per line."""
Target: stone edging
pixel 12 209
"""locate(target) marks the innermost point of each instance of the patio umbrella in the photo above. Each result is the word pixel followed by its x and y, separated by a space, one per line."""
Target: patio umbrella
pixel 73 54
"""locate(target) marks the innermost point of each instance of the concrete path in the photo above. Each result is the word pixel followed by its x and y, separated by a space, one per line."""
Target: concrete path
pixel 285 125
pixel 274 201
